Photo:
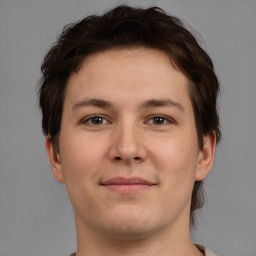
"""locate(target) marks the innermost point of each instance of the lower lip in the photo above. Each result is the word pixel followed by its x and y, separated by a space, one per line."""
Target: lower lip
pixel 128 188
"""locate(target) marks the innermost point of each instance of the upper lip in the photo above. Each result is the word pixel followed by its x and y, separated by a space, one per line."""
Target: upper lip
pixel 127 181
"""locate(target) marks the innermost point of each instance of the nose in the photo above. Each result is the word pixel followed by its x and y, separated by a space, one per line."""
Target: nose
pixel 127 144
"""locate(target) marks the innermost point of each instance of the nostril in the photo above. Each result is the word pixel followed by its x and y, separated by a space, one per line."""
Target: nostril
pixel 118 158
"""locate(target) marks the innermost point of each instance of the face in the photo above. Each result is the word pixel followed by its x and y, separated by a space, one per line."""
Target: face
pixel 128 149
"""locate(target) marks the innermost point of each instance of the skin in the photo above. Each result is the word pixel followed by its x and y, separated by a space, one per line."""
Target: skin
pixel 145 130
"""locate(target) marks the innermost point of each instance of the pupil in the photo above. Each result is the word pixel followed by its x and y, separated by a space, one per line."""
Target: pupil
pixel 158 120
pixel 97 120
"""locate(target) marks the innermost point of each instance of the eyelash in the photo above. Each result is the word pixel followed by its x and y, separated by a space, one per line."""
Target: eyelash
pixel 90 118
pixel 167 120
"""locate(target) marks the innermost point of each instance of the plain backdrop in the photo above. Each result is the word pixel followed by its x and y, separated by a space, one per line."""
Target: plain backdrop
pixel 36 217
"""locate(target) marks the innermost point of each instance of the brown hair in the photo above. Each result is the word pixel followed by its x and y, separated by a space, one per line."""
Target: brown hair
pixel 126 26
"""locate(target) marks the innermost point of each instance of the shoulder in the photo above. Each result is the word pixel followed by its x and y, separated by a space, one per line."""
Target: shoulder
pixel 204 250
pixel 209 252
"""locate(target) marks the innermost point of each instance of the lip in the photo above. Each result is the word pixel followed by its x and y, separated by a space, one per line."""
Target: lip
pixel 127 185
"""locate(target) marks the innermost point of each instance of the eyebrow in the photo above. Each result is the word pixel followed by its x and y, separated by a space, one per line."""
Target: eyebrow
pixel 147 104
pixel 92 102
pixel 162 103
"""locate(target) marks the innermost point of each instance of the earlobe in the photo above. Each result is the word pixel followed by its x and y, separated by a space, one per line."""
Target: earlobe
pixel 206 156
pixel 54 159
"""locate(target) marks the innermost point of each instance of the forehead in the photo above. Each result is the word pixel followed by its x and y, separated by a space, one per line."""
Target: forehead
pixel 131 58
pixel 140 72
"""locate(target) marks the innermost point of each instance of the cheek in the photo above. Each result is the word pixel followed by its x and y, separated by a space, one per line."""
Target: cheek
pixel 81 167
pixel 176 161
pixel 81 157
pixel 176 151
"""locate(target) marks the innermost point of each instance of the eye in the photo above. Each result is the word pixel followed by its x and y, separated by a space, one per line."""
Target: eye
pixel 160 120
pixel 95 120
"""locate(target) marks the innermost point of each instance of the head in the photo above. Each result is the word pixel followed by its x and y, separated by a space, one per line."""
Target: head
pixel 131 28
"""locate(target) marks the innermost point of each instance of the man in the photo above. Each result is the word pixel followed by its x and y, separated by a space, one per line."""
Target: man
pixel 129 113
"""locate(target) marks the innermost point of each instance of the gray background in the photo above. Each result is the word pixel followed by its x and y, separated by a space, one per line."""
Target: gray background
pixel 36 217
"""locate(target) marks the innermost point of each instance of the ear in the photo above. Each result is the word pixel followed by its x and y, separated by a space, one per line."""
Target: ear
pixel 54 159
pixel 206 156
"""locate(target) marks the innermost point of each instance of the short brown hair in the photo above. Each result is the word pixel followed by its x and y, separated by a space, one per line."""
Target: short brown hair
pixel 124 27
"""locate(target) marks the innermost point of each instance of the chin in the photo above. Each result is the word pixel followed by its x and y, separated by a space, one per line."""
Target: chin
pixel 129 232
pixel 131 226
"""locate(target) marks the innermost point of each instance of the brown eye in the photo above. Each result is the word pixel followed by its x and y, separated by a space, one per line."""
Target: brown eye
pixel 159 120
pixel 95 120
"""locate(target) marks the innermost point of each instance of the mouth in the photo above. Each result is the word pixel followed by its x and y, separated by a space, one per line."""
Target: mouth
pixel 127 185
